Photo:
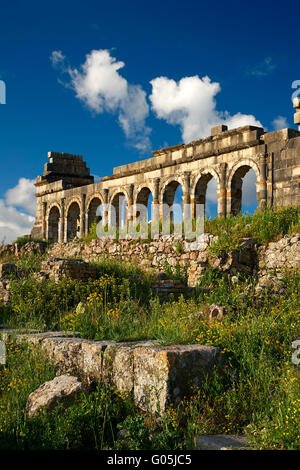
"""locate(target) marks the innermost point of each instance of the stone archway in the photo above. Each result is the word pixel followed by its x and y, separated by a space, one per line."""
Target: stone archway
pixel 94 212
pixel 73 221
pixel 172 206
pixel 201 196
pixel 143 199
pixel 53 224
pixel 118 210
pixel 236 188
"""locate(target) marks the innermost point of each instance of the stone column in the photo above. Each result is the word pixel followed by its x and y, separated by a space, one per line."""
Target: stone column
pixel 187 195
pixel 105 207
pixel 222 194
pixel 155 209
pixel 86 224
pixel 61 235
pixel 262 193
pixel 82 216
pixel 65 227
pixel 44 222
pixel 47 227
pixel 130 215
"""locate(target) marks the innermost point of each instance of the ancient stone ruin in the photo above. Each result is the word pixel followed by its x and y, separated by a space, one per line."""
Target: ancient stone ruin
pixel 68 200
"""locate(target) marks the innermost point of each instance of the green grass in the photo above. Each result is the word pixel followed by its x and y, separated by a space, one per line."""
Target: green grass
pixel 265 226
pixel 257 391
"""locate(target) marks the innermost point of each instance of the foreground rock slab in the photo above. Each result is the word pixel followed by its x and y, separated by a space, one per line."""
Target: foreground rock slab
pixel 156 376
pixel 165 375
pixel 221 442
pixel 61 390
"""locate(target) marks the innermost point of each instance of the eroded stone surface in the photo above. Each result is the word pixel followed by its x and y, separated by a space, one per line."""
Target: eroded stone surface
pixel 165 374
pixel 62 389
pixel 156 375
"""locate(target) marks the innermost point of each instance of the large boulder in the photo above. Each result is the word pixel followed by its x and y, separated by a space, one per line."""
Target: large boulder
pixel 61 390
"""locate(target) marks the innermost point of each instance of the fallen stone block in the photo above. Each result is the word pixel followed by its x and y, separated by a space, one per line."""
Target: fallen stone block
pixel 221 442
pixel 165 375
pixel 61 390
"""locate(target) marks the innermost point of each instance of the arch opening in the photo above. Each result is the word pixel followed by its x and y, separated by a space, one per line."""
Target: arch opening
pixel 145 199
pixel 244 191
pixel 120 209
pixel 172 212
pixel 53 224
pixel 73 221
pixel 206 193
pixel 95 212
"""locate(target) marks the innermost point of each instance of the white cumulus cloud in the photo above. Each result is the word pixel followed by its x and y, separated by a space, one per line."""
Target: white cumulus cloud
pixel 17 211
pixel 190 103
pixel 22 195
pixel 100 86
pixel 280 123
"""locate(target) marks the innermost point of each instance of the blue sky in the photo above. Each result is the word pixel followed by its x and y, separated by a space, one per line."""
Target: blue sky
pixel 250 51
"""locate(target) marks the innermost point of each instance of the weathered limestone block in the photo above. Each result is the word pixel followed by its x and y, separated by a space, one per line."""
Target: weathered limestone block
pixel 91 362
pixel 64 353
pixel 59 268
pixel 164 375
pixel 76 355
pixel 118 364
pixel 61 390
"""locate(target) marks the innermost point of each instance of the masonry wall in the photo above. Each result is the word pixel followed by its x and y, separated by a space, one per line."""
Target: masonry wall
pixel 196 256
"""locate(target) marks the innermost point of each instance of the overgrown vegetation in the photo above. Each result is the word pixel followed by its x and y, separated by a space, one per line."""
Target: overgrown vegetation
pixel 256 392
pixel 265 226
pixel 25 239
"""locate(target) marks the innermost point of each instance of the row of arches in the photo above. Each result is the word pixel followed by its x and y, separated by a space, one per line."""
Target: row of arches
pixel 205 191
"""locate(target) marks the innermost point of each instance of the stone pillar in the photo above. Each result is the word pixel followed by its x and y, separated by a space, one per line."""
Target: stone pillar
pixel 187 195
pixel 44 222
pixel 66 228
pixel 82 216
pixel 262 193
pixel 222 194
pixel 156 210
pixel 86 224
pixel 130 215
pixel 105 207
pixel 62 225
pixel 47 227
